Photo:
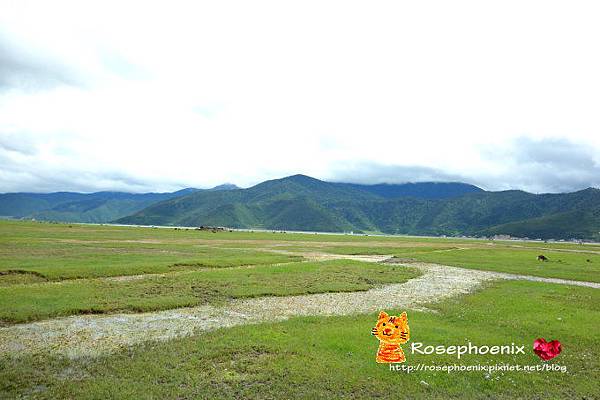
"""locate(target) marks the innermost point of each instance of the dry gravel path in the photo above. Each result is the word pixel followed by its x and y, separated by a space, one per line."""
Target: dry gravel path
pixel 92 335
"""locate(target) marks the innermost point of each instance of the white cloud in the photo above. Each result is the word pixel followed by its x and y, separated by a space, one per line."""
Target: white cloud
pixel 200 93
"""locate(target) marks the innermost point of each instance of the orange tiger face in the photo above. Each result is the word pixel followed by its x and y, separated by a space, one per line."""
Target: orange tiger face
pixel 392 329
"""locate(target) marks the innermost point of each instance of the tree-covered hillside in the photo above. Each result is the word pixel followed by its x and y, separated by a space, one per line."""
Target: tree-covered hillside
pixel 302 203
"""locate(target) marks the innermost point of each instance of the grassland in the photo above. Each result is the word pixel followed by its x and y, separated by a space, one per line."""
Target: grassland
pixel 60 269
pixel 564 265
pixel 334 357
pixel 27 302
pixel 59 251
pixel 574 264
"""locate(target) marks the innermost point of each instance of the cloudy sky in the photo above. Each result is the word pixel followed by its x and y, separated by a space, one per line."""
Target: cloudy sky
pixel 153 97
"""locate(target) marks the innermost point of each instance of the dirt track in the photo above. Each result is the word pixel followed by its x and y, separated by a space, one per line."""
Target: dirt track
pixel 92 335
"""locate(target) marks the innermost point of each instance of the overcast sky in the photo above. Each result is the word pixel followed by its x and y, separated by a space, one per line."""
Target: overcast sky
pixel 153 97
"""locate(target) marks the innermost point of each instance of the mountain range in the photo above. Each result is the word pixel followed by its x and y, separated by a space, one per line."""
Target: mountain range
pixel 303 203
pixel 98 207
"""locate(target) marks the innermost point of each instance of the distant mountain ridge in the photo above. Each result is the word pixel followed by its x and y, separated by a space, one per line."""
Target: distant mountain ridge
pixel 299 202
pixel 98 207
pixel 225 186
pixel 423 190
pixel 303 203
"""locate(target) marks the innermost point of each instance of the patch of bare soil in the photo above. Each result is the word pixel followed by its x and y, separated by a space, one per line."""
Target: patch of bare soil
pixel 92 335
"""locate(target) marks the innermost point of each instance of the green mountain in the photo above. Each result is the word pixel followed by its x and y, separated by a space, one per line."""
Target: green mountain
pixel 424 190
pixel 296 203
pixel 83 207
pixel 302 203
pixel 22 204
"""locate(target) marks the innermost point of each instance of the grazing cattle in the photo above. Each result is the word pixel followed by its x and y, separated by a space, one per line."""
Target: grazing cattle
pixel 542 257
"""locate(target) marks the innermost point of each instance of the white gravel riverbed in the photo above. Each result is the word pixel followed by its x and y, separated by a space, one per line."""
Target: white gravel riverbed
pixel 92 335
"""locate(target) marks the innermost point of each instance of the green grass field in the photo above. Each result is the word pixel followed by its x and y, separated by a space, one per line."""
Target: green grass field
pixel 564 265
pixel 53 270
pixel 56 252
pixel 26 302
pixel 583 265
pixel 334 357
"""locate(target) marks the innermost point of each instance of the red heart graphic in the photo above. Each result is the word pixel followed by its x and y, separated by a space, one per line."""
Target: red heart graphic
pixel 546 350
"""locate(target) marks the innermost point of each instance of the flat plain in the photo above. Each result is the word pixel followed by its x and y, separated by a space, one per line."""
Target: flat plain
pixel 242 292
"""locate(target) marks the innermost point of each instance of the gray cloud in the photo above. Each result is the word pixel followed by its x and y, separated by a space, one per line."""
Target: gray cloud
pixel 534 165
pixel 554 153
pixel 207 96
pixel 370 173
pixel 544 165
pixel 24 70
pixel 77 181
pixel 119 64
pixel 547 165
pixel 12 143
pixel 28 174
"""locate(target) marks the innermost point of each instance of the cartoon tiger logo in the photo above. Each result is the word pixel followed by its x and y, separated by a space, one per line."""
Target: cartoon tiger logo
pixel 391 331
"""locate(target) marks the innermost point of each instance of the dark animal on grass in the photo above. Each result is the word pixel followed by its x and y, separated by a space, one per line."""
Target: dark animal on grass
pixel 542 257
